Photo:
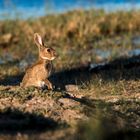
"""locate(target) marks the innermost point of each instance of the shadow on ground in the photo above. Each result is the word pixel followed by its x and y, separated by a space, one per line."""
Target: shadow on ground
pixel 126 135
pixel 121 68
pixel 14 120
pixel 11 80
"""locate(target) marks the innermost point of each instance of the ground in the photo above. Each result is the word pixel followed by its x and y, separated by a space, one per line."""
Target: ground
pixel 96 77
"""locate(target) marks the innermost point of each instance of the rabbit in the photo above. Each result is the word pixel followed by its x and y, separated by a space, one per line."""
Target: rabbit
pixel 37 74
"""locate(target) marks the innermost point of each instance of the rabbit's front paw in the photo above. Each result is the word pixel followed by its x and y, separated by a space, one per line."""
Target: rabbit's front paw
pixel 49 84
pixel 50 87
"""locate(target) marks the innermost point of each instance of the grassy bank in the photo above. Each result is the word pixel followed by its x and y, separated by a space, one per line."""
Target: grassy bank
pixel 96 77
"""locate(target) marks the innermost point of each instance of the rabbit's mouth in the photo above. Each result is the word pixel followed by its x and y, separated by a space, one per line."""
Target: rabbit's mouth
pixel 46 58
pixel 53 58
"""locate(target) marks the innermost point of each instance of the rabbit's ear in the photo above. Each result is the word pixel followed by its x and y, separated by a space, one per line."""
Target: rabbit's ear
pixel 38 40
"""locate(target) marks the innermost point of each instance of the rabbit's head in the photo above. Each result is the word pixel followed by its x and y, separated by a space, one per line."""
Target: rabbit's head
pixel 46 53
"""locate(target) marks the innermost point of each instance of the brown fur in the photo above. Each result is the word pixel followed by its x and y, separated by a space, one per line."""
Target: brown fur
pixel 38 73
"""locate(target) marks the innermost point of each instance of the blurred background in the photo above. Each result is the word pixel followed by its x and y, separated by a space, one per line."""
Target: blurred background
pixel 101 27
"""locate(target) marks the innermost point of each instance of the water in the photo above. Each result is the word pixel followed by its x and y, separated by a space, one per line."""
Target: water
pixel 136 41
pixel 134 52
pixel 104 55
pixel 35 8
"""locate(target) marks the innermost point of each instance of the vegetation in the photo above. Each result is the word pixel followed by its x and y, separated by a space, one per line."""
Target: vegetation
pixel 96 77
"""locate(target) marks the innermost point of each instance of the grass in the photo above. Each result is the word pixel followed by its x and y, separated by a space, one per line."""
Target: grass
pixel 105 95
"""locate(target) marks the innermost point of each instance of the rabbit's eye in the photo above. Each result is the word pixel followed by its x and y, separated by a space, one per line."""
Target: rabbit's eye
pixel 49 50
